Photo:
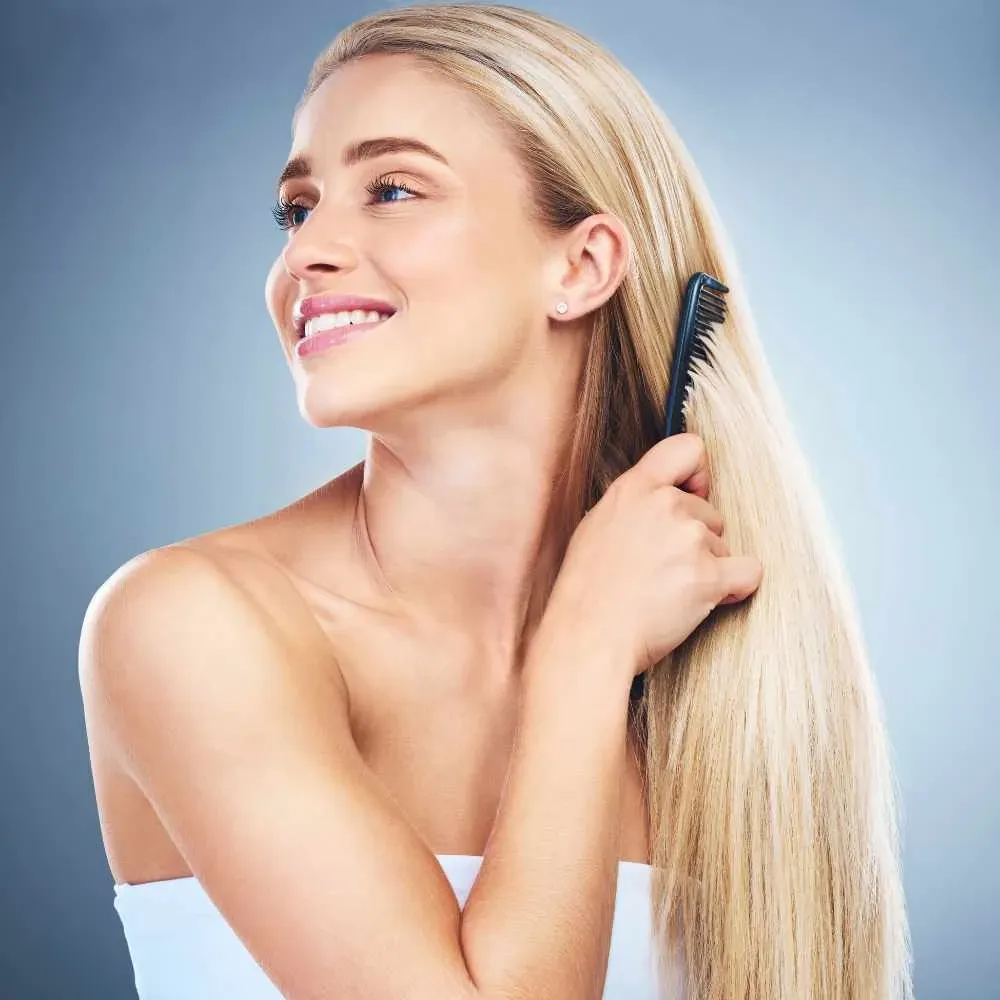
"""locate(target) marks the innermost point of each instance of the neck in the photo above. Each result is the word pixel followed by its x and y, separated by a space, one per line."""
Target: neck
pixel 458 528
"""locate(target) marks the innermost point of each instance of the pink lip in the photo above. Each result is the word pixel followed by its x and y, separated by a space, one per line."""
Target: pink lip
pixel 316 304
pixel 308 346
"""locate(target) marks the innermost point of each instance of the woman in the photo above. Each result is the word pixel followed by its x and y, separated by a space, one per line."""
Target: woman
pixel 316 735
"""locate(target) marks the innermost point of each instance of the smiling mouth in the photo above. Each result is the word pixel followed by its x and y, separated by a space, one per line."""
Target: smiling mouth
pixel 326 322
pixel 320 340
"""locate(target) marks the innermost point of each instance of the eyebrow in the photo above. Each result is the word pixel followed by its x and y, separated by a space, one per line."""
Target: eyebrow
pixel 364 149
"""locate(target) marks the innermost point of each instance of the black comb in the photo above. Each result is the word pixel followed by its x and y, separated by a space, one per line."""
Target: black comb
pixel 704 306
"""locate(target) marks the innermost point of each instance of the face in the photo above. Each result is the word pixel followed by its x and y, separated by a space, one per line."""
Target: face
pixel 447 244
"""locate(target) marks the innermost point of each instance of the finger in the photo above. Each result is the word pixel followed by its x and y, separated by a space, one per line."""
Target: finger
pixel 718 546
pixel 741 577
pixel 700 508
pixel 678 460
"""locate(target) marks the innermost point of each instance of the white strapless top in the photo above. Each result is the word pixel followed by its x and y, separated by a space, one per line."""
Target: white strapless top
pixel 183 949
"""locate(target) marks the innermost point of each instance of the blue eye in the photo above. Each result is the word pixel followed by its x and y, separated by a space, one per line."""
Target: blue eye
pixel 385 183
pixel 282 212
pixel 283 209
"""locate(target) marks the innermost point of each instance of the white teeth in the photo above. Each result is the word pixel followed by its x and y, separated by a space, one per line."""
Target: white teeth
pixel 330 321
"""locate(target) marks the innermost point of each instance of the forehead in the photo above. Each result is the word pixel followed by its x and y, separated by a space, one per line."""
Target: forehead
pixel 396 95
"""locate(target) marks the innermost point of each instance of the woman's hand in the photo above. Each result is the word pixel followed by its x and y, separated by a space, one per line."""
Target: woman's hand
pixel 648 563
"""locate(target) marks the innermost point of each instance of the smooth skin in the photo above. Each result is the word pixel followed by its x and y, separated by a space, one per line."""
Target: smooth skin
pixel 301 710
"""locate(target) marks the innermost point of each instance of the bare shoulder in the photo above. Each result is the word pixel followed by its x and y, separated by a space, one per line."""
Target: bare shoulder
pixel 200 579
pixel 199 585
pixel 211 622
pixel 214 594
pixel 210 687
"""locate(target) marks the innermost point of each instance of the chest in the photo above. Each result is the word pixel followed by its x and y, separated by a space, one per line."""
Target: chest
pixel 437 730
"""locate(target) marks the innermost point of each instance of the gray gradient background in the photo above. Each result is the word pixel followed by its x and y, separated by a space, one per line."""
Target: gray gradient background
pixel 852 150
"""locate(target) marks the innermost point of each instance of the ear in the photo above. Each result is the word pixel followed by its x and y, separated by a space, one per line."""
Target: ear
pixel 588 265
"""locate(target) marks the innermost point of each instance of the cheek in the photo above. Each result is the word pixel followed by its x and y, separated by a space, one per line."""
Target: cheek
pixel 278 292
pixel 455 271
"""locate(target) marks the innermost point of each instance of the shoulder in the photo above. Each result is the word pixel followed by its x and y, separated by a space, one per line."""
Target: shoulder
pixel 201 613
pixel 190 580
pixel 243 569
pixel 229 607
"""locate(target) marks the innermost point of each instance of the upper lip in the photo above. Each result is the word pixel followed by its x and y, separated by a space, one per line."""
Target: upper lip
pixel 316 304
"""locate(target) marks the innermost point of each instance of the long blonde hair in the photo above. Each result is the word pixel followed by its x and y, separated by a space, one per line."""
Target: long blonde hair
pixel 771 799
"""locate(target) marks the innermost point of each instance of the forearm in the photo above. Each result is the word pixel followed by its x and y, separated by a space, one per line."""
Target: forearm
pixel 538 919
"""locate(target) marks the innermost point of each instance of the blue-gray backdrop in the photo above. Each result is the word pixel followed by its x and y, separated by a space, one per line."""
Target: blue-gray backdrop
pixel 854 153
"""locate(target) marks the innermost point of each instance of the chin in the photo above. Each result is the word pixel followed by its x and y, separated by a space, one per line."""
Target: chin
pixel 386 390
pixel 367 403
pixel 329 406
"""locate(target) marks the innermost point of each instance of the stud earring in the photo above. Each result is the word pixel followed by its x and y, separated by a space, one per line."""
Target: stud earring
pixel 561 308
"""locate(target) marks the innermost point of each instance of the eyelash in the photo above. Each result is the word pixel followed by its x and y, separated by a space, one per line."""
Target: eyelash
pixel 283 208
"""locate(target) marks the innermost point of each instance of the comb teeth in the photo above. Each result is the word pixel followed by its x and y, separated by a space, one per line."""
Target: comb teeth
pixel 699 350
pixel 703 308
pixel 710 308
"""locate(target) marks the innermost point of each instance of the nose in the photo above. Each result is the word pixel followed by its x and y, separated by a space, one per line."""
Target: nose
pixel 311 251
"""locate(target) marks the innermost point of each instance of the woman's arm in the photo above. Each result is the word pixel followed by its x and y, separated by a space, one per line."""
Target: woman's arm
pixel 538 920
pixel 239 735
